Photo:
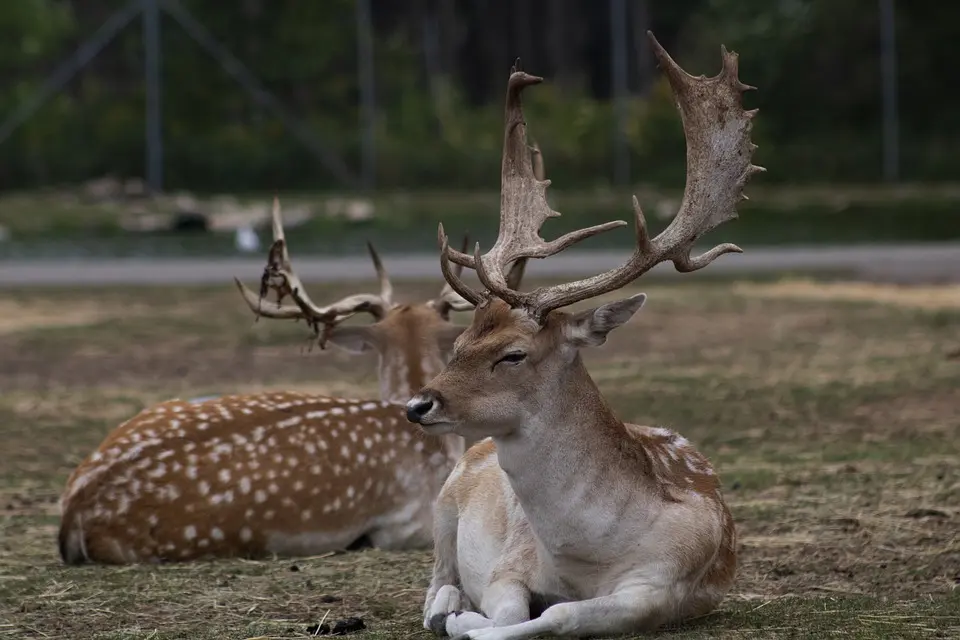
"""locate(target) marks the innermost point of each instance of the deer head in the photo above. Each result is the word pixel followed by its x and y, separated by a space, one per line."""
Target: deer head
pixel 520 353
pixel 413 341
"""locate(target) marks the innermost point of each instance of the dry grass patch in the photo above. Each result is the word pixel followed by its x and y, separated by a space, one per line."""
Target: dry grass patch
pixel 930 298
pixel 834 423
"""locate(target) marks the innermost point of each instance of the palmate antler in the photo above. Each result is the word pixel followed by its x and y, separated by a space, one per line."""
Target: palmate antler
pixel 280 277
pixel 719 151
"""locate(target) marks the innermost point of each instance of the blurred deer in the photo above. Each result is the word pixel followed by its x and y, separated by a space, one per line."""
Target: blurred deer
pixel 278 472
pixel 565 520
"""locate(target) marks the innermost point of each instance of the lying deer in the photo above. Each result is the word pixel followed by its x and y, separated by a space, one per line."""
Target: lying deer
pixel 599 527
pixel 278 472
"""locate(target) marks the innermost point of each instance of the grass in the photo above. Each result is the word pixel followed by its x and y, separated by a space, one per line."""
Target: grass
pixel 55 223
pixel 830 409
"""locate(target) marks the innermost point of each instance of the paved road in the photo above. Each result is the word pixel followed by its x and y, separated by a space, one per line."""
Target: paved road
pixel 904 263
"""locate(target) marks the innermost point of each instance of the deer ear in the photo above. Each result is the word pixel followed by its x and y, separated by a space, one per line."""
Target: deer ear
pixel 590 328
pixel 354 339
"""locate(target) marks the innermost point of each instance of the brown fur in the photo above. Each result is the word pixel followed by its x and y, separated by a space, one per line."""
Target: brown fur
pixel 614 461
pixel 181 480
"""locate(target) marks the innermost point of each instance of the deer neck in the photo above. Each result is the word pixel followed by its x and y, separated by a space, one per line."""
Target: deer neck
pixel 403 372
pixel 573 466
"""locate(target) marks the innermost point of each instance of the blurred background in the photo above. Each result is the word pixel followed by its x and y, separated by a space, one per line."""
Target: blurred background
pixel 163 127
pixel 142 142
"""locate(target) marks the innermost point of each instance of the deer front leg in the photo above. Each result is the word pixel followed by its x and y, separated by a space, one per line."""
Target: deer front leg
pixel 507 602
pixel 443 596
pixel 633 609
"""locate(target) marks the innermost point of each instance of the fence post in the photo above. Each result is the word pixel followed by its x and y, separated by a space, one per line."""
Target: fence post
pixel 618 72
pixel 888 74
pixel 154 136
pixel 367 100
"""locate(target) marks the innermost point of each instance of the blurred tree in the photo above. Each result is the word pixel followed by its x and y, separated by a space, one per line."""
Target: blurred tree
pixel 440 72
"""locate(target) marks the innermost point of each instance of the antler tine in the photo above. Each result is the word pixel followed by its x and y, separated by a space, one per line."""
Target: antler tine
pixel 449 300
pixel 719 152
pixel 452 274
pixel 447 292
pixel 277 224
pixel 276 310
pixel 386 288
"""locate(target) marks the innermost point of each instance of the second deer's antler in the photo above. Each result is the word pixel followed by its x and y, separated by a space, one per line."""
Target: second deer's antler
pixel 719 150
pixel 280 277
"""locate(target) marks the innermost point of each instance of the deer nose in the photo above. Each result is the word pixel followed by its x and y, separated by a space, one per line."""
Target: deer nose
pixel 418 407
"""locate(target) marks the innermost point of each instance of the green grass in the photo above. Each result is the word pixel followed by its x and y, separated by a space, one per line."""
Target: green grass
pixel 832 418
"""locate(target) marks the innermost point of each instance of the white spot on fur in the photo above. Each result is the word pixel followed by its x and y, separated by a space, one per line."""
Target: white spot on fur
pixel 224 448
pixel 190 532
pixel 289 422
pixel 216 533
pixel 245 534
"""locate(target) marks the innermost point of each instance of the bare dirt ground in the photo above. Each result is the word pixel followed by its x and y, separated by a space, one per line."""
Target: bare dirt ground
pixel 831 410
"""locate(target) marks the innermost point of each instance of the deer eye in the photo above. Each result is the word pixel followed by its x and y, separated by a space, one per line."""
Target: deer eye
pixel 514 357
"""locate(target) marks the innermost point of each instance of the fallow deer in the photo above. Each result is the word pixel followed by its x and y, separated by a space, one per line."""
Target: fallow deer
pixel 277 472
pixel 565 520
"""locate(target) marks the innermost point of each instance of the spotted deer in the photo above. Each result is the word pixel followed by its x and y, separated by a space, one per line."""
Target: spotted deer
pixel 565 520
pixel 277 472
